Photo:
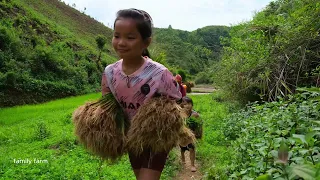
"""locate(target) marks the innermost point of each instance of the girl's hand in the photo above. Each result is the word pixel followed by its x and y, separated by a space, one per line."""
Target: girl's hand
pixel 195 114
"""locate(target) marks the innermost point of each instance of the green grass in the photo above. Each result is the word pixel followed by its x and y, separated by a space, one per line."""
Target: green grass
pixel 71 20
pixel 212 150
pixel 45 132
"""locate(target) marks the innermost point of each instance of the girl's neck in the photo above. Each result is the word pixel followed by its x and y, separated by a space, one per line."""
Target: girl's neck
pixel 130 66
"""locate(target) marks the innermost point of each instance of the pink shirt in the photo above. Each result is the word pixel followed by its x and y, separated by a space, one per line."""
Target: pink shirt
pixel 131 91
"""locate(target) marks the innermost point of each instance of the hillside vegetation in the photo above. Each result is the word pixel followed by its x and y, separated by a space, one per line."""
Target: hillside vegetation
pixel 48 50
pixel 272 55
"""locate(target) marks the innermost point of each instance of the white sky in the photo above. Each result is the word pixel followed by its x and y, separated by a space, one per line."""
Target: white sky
pixel 180 14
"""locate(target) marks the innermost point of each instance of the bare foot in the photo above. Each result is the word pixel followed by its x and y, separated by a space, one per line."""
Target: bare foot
pixel 193 169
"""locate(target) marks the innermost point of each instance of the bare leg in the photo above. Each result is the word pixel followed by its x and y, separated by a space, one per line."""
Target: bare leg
pixel 183 159
pixel 136 172
pixel 149 174
pixel 192 159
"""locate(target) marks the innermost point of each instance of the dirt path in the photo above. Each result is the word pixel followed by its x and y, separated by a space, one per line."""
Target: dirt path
pixel 203 89
pixel 197 93
pixel 185 173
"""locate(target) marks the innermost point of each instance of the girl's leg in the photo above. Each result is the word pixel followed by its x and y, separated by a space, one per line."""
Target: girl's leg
pixel 136 173
pixel 152 165
pixel 183 150
pixel 192 159
pixel 149 174
pixel 183 159
pixel 136 164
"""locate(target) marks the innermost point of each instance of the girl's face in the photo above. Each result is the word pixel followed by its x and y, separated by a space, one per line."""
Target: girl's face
pixel 127 40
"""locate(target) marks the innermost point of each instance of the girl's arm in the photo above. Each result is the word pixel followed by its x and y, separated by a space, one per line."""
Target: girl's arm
pixel 184 93
pixel 168 86
pixel 104 85
pixel 195 114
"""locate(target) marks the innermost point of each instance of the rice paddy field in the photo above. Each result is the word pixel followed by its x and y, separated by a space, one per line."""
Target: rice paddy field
pixel 38 142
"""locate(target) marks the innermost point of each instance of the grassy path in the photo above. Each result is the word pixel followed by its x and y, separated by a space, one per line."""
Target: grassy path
pixel 185 172
pixel 212 153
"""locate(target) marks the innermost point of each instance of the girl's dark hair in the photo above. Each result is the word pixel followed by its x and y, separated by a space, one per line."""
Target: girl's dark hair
pixel 145 52
pixel 188 100
pixel 143 21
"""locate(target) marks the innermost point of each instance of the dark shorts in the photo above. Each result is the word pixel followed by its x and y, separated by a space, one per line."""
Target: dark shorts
pixel 149 160
pixel 187 148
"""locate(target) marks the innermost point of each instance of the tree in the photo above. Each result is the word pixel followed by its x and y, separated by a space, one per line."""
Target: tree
pixel 101 41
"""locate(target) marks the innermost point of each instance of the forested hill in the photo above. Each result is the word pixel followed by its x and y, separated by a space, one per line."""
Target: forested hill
pixel 191 51
pixel 49 50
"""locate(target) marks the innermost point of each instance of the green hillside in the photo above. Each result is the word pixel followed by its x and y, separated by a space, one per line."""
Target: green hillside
pixel 78 24
pixel 48 51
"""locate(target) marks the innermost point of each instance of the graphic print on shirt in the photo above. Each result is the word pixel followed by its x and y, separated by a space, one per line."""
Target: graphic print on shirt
pixel 145 89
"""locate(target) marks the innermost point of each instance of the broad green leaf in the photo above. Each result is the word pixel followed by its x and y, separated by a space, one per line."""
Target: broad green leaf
pixel 280 178
pixel 262 150
pixel 304 95
pixel 310 135
pixel 297 159
pixel 285 132
pixel 318 173
pixel 243 146
pixel 243 172
pixel 272 171
pixel 274 153
pixel 292 140
pixel 264 177
pixel 313 89
pixel 301 137
pixel 304 171
pixel 277 175
pixel 303 151
pixel 315 98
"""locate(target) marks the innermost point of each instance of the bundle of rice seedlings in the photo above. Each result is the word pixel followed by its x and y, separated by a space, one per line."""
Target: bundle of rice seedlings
pixel 186 136
pixel 101 126
pixel 195 124
pixel 156 125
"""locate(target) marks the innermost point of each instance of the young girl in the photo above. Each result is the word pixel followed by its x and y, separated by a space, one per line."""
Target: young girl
pixel 188 104
pixel 135 78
